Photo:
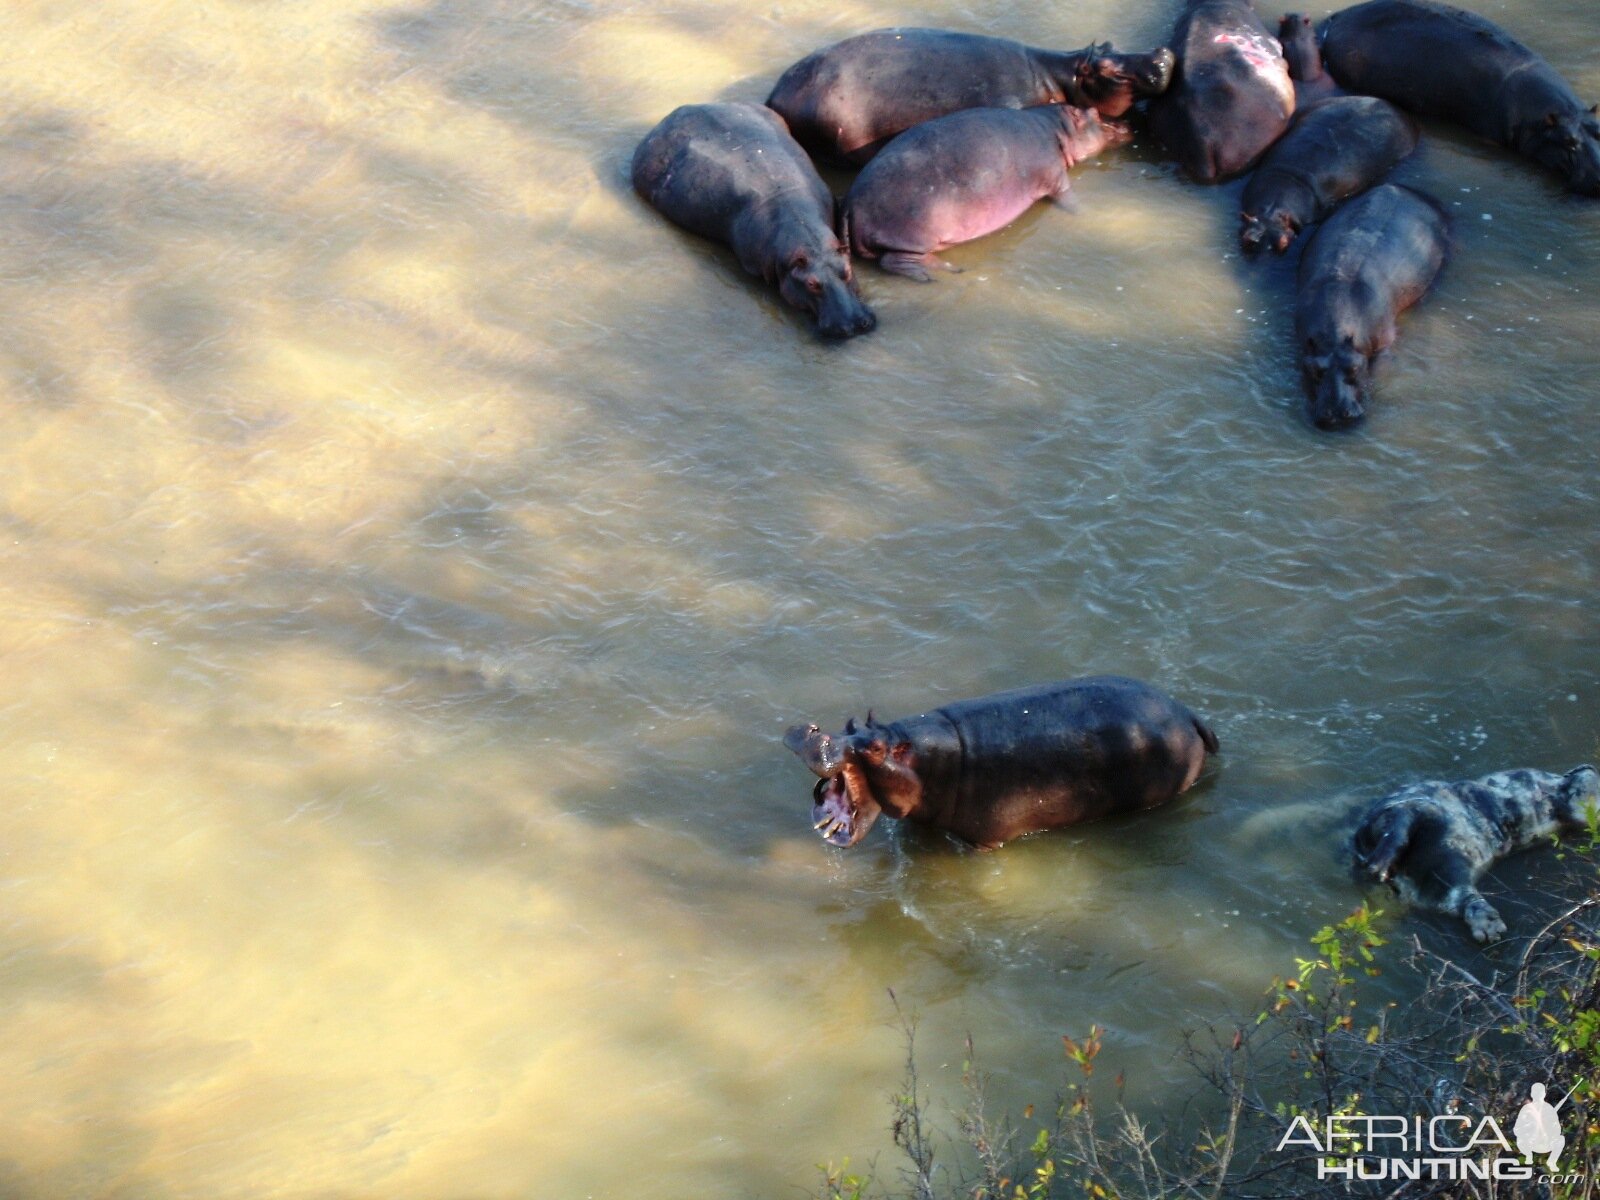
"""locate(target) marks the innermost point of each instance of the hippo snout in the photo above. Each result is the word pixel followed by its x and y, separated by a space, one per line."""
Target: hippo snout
pixel 841 313
pixel 1157 75
pixel 1252 234
pixel 821 753
pixel 1337 407
pixel 1584 176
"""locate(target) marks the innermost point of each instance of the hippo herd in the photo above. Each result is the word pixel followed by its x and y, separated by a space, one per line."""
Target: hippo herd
pixel 954 136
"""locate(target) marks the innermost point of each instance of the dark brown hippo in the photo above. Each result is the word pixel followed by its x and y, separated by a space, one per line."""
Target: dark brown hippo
pixel 1333 150
pixel 732 173
pixel 961 176
pixel 993 769
pixel 848 100
pixel 1298 37
pixel 1368 262
pixel 1442 62
pixel 1231 96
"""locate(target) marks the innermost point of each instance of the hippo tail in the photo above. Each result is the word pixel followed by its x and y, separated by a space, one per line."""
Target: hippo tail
pixel 1207 737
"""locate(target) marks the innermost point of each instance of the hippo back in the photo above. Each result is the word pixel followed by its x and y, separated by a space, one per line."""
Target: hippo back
pixel 1439 61
pixel 706 164
pixel 1232 96
pixel 1339 147
pixel 845 101
pixel 1391 241
pixel 1073 751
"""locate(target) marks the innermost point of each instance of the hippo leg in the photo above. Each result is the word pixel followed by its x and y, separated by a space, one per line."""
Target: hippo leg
pixel 1466 901
pixel 913 265
pixel 1066 199
pixel 1482 920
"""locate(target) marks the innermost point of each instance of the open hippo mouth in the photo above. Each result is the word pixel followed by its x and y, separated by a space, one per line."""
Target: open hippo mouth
pixel 842 808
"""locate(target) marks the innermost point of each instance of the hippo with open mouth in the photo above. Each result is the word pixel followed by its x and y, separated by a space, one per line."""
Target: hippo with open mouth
pixel 996 768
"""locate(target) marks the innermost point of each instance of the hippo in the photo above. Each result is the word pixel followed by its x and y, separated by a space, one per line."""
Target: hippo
pixel 732 173
pixel 1432 841
pixel 1371 260
pixel 961 176
pixel 1232 95
pixel 1009 764
pixel 1333 150
pixel 1298 37
pixel 1439 61
pixel 845 102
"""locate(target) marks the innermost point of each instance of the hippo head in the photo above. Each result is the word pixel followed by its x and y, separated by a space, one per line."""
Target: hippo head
pixel 1376 845
pixel 819 281
pixel 1300 47
pixel 1569 144
pixel 1579 801
pixel 1085 133
pixel 1275 230
pixel 1111 82
pixel 1336 382
pixel 862 773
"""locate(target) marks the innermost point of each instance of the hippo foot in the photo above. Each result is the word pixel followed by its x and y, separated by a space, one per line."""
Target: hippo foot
pixel 915 266
pixel 1484 922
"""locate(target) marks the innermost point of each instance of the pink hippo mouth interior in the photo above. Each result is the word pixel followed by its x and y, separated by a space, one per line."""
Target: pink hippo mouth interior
pixel 838 811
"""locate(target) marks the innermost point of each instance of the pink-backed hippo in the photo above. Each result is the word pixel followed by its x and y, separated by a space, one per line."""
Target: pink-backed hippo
pixel 846 101
pixel 1333 150
pixel 732 173
pixel 961 176
pixel 1231 96
pixel 1366 264
pixel 993 769
pixel 1440 61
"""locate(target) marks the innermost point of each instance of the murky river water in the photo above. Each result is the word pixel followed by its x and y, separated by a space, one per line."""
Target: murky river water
pixel 415 549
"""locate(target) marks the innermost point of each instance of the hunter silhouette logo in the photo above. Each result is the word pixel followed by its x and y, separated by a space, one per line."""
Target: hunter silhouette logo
pixel 1538 1127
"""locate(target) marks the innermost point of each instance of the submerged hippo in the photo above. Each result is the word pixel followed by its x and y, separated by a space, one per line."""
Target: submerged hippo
pixel 1232 95
pixel 964 175
pixel 732 173
pixel 1301 51
pixel 1442 62
pixel 1372 259
pixel 1432 841
pixel 1016 762
pixel 1333 150
pixel 848 100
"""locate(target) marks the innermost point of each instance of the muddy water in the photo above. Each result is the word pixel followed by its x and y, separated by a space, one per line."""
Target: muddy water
pixel 414 550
